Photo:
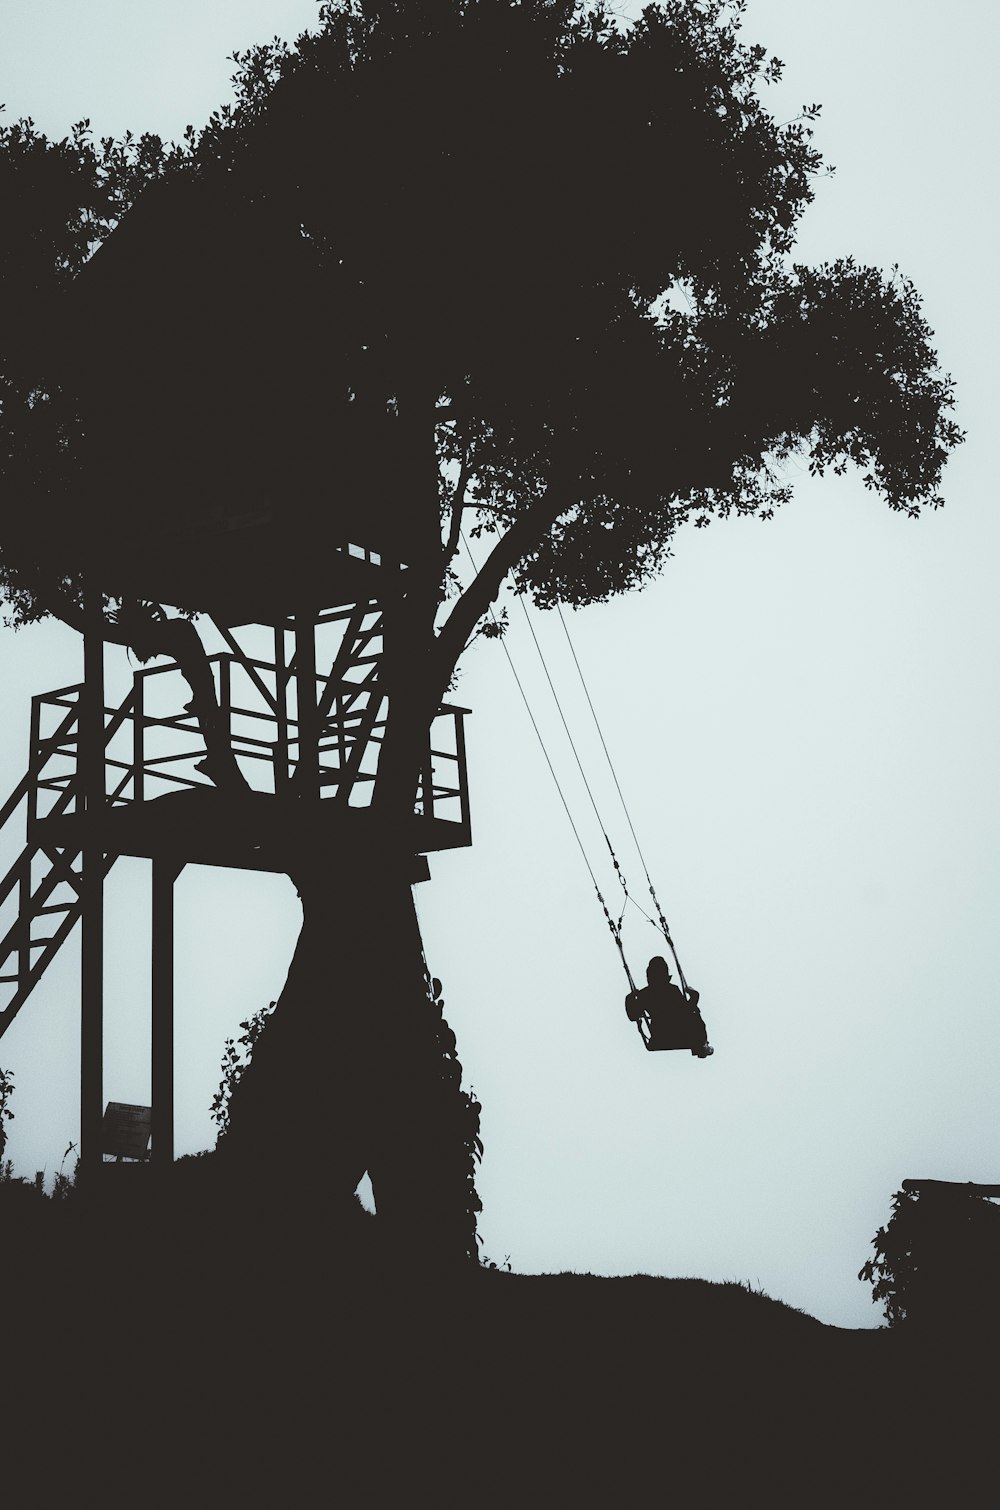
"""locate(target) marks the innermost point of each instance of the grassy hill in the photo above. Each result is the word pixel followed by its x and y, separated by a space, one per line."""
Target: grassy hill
pixel 245 1359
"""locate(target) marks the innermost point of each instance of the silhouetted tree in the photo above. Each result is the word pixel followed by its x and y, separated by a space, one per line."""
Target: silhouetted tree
pixel 516 266
pixel 936 1260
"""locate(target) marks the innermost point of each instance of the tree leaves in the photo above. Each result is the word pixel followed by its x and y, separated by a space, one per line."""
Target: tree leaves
pixel 935 1261
pixel 555 245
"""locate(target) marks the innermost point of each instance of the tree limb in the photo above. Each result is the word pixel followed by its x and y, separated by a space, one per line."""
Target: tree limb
pixel 457 629
pixel 178 640
pixel 457 509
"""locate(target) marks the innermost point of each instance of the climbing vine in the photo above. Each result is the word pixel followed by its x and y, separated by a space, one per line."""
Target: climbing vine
pixel 456 1112
pixel 436 1180
pixel 6 1115
pixel 235 1057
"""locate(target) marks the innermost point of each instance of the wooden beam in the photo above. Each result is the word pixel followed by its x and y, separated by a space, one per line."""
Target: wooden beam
pixel 90 778
pixel 957 1187
pixel 165 872
pixel 347 655
pixel 307 719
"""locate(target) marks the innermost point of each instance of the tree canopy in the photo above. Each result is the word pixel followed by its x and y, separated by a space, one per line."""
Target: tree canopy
pixel 520 265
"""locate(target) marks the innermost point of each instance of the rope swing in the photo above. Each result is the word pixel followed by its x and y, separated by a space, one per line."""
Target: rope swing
pixel 662 922
pixel 640 1002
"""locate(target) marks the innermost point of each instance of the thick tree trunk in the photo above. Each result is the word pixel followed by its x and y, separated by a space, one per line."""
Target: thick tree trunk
pixel 356 1072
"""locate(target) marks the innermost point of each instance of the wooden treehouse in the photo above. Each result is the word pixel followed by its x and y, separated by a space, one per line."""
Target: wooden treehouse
pixel 104 781
pixel 250 498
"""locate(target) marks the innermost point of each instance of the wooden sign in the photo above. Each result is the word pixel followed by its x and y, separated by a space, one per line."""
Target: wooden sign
pixel 126 1130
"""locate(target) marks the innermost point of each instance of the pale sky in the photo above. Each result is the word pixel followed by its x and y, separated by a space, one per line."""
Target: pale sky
pixel 803 722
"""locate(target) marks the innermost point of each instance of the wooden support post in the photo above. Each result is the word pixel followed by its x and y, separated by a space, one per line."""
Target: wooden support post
pixel 427 786
pixel 35 762
pixel 139 737
pixel 90 768
pixel 24 922
pixel 463 781
pixel 281 711
pixel 305 696
pixel 165 873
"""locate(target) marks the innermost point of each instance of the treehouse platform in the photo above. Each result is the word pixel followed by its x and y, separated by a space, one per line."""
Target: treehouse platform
pixel 131 778
pixel 224 464
pixel 245 831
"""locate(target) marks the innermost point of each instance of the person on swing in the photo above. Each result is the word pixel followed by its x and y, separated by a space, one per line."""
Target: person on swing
pixel 673 1017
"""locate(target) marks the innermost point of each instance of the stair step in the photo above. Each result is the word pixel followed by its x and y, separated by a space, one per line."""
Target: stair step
pixel 17 945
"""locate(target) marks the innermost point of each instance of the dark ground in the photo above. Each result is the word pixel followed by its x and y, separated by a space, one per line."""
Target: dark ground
pixel 222 1364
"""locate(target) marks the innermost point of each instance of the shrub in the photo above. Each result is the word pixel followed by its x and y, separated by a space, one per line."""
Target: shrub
pixel 937 1259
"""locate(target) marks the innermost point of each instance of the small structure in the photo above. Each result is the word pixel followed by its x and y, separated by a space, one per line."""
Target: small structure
pixel 126 1131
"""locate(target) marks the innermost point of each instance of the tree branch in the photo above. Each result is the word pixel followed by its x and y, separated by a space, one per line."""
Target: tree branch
pixel 457 509
pixel 457 629
pixel 178 640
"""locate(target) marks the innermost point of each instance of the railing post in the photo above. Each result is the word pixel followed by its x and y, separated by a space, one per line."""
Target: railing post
pixel 139 736
pixel 90 766
pixel 24 923
pixel 463 785
pixel 79 780
pixel 281 711
pixel 226 694
pixel 427 781
pixel 34 762
pixel 339 716
pixel 305 696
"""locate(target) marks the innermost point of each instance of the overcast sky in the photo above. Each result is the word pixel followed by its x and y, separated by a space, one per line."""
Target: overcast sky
pixel 803 720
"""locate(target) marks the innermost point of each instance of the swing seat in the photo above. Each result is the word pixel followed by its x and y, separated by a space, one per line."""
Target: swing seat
pixel 669 1040
pixel 672 1031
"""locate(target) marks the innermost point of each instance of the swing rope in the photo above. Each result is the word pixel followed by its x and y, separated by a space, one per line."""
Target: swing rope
pixel 663 925
pixel 616 928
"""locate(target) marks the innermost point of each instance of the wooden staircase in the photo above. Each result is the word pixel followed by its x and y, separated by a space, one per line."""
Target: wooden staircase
pixel 44 882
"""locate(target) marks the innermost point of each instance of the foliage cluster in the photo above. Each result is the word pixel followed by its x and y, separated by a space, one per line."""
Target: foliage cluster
pixel 629 328
pixel 451 1115
pixel 936 1261
pixel 573 289
pixel 60 201
pixel 6 1114
pixel 236 1055
pixel 15 1191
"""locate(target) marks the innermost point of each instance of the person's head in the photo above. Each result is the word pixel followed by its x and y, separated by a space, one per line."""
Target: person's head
pixel 658 971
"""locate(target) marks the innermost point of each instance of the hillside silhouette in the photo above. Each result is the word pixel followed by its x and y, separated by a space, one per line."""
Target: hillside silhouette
pixel 260 1354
